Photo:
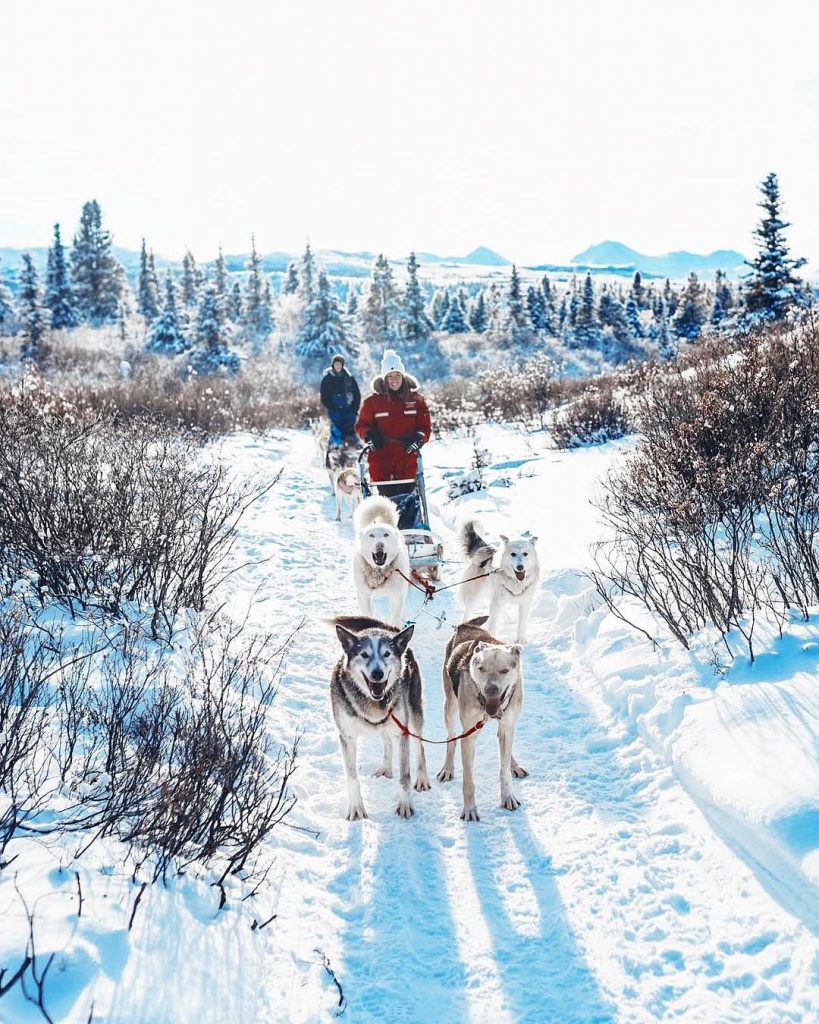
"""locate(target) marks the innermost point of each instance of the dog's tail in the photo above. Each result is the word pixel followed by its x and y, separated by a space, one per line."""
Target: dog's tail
pixel 477 550
pixel 375 509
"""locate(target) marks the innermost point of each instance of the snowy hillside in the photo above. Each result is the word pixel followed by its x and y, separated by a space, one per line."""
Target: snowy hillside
pixel 664 864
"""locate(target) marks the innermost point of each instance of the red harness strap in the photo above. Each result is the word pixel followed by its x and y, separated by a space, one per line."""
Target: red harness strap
pixel 406 732
pixel 428 589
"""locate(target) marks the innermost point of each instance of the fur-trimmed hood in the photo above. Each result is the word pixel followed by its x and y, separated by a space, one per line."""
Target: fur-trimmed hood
pixel 408 384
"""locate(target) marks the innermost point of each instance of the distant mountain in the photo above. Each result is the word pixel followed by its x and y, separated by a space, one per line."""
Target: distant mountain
pixel 672 264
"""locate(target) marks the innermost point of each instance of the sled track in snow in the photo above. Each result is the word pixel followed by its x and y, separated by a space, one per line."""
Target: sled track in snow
pixel 605 897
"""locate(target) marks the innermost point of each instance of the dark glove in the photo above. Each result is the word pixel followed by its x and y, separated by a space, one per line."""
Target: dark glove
pixel 375 439
pixel 413 442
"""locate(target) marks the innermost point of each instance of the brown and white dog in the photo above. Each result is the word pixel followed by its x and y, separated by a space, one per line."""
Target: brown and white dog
pixel 482 677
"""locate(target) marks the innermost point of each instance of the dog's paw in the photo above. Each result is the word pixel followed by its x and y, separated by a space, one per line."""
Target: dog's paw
pixel 404 808
pixel 383 773
pixel 519 771
pixel 422 783
pixel 470 814
pixel 510 802
pixel 355 812
pixel 445 774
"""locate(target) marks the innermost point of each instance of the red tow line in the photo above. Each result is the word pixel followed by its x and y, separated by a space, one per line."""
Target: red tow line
pixel 406 732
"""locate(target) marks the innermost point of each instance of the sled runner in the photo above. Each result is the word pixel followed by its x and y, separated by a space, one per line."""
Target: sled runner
pixel 424 547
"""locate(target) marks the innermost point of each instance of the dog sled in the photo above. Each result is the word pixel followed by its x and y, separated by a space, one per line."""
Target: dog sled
pixel 424 547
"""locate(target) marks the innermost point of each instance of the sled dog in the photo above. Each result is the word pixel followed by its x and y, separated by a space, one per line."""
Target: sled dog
pixel 513 577
pixel 347 489
pixel 340 456
pixel 482 676
pixel 380 557
pixel 376 676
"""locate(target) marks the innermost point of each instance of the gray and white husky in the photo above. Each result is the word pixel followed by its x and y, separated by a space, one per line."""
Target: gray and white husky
pixel 377 676
pixel 380 557
pixel 482 676
pixel 513 577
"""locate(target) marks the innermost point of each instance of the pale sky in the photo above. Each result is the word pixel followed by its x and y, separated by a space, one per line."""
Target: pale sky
pixel 532 127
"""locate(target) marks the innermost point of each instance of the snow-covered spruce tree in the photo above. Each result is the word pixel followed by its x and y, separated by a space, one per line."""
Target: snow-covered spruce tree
pixel 96 275
pixel 455 322
pixel 670 299
pixel 234 306
pixel 666 342
pixel 165 335
pixel 258 317
pixel 773 288
pixel 147 291
pixel 212 354
pixel 633 317
pixel 586 331
pixel 59 296
pixel 290 285
pixel 477 315
pixel 220 276
pixel 536 305
pixel 519 331
pixel 7 311
pixel 416 326
pixel 379 318
pixel 612 314
pixel 438 308
pixel 190 280
pixel 32 313
pixel 638 292
pixel 723 302
pixel 495 316
pixel 691 313
pixel 323 331
pixel 307 276
pixel 352 302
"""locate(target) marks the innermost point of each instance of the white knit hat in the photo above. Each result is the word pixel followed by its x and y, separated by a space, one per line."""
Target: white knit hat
pixel 391 362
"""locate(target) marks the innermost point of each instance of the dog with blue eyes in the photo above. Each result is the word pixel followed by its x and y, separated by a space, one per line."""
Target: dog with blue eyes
pixel 483 680
pixel 376 681
pixel 497 577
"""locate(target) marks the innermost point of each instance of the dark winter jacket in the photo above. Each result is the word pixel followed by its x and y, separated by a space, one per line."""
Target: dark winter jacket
pixel 393 420
pixel 340 396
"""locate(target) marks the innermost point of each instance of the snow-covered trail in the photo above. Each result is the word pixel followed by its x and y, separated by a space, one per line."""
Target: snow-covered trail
pixel 606 897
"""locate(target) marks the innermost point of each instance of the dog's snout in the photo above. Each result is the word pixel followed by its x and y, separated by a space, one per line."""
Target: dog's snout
pixel 377 675
pixel 490 690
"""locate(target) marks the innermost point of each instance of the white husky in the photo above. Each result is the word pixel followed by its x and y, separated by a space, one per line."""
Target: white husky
pixel 380 558
pixel 513 575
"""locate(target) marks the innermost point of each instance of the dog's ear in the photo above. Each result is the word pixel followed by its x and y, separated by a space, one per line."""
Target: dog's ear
pixel 479 646
pixel 503 538
pixel 516 649
pixel 532 540
pixel 347 639
pixel 402 639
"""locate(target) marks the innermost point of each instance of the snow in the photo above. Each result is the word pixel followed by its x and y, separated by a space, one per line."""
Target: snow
pixel 664 864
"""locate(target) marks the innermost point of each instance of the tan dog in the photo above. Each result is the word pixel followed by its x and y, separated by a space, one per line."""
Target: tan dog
pixel 482 677
pixel 347 489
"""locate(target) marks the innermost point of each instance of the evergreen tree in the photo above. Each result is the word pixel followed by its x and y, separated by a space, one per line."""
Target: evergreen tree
pixel 233 307
pixel 190 280
pixel 536 304
pixel 166 335
pixel 495 316
pixel 97 277
pixel 307 275
pixel 670 299
pixel 323 331
pixel 443 309
pixel 612 315
pixel 666 343
pixel 221 276
pixel 633 317
pixel 455 322
pixel 638 292
pixel 380 317
pixel 519 330
pixel 416 327
pixel 690 316
pixel 147 293
pixel 59 298
pixel 290 285
pixel 773 287
pixel 212 353
pixel 586 329
pixel 7 313
pixel 258 317
pixel 477 316
pixel 352 302
pixel 31 311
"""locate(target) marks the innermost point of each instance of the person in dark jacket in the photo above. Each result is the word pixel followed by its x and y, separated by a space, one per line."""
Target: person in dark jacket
pixel 341 398
pixel 395 422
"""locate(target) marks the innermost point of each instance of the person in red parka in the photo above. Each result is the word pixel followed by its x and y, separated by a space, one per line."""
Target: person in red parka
pixel 394 421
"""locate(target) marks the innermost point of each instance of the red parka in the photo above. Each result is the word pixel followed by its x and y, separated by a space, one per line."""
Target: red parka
pixel 397 416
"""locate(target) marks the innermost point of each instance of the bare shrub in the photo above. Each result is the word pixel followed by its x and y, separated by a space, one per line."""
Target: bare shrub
pixel 595 417
pixel 99 514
